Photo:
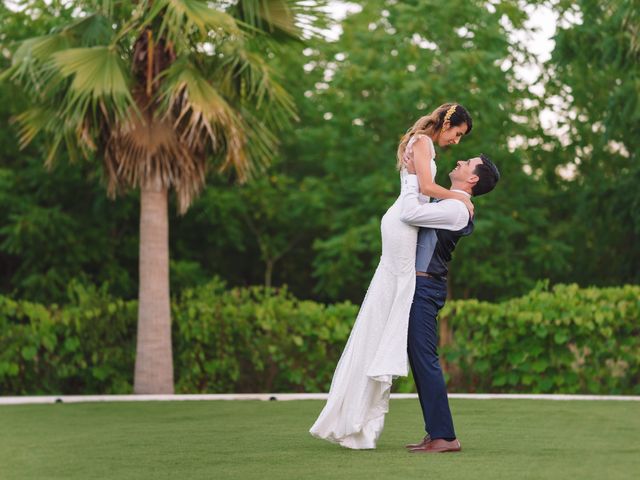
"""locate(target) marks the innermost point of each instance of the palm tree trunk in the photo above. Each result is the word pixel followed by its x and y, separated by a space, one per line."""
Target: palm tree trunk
pixel 154 360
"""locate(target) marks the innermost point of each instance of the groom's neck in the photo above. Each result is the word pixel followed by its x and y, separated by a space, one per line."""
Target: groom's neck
pixel 459 186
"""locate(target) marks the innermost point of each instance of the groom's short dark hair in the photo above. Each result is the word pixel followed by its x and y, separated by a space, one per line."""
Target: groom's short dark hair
pixel 488 176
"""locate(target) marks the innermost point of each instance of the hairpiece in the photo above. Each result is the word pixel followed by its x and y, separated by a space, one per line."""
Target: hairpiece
pixel 450 112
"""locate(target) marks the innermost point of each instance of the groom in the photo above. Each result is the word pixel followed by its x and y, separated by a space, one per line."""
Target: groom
pixel 442 224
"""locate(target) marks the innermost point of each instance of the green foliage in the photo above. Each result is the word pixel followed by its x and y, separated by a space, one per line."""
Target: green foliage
pixel 256 339
pixel 55 224
pixel 311 220
pixel 595 94
pixel 87 345
pixel 200 65
pixel 567 339
pixel 280 213
pixel 394 63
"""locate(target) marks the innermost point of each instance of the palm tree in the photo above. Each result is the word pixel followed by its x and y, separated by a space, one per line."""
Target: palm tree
pixel 159 90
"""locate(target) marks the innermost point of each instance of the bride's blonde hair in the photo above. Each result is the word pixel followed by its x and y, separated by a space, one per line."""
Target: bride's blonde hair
pixel 432 124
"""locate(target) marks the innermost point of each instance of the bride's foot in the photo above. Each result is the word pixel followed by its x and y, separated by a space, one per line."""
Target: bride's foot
pixel 424 441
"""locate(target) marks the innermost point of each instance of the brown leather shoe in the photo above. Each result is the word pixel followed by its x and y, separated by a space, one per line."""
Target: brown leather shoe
pixel 424 441
pixel 439 445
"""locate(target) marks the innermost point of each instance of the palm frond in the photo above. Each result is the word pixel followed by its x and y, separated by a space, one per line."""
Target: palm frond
pixel 261 143
pixel 97 75
pixel 47 120
pixel 198 111
pixel 30 63
pixel 181 19
pixel 170 148
pixel 91 30
pixel 228 101
pixel 245 71
pixel 30 123
pixel 270 15
pixel 30 57
pixel 71 86
pixel 147 152
pixel 292 18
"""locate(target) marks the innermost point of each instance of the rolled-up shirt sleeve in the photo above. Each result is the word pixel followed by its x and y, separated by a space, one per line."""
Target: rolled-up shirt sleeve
pixel 448 214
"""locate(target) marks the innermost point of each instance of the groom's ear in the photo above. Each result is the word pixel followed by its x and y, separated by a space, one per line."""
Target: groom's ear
pixel 473 179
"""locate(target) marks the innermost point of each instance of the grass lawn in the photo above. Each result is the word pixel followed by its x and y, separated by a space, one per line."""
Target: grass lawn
pixel 510 439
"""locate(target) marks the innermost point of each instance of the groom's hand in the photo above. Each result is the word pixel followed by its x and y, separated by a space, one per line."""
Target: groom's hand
pixel 411 168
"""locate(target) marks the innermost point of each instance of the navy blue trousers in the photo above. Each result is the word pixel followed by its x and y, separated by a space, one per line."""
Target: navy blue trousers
pixel 422 346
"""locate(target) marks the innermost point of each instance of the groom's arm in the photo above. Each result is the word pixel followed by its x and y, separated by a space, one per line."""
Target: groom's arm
pixel 447 214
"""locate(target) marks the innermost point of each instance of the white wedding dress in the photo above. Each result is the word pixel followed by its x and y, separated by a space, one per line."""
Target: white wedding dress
pixel 376 351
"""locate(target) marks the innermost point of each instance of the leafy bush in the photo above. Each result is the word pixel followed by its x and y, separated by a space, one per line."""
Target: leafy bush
pixel 567 339
pixel 254 339
pixel 86 346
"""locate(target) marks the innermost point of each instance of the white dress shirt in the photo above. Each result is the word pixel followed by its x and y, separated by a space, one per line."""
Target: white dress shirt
pixel 447 214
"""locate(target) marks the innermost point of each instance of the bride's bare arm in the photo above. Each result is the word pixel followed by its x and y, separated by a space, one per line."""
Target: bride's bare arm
pixel 422 156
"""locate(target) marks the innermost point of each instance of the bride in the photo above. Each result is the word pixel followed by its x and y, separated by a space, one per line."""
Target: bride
pixel 376 351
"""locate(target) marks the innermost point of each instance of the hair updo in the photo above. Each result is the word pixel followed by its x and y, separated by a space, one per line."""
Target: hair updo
pixel 432 124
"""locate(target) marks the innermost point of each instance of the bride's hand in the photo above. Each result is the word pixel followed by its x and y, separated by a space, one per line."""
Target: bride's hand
pixel 410 166
pixel 467 203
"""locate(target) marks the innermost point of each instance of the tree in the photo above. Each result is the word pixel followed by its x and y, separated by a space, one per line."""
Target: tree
pixel 155 89
pixel 397 61
pixel 595 94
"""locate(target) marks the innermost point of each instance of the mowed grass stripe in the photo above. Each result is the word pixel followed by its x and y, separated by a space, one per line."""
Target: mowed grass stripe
pixel 269 440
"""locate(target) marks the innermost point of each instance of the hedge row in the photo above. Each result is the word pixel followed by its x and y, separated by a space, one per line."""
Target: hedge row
pixel 567 339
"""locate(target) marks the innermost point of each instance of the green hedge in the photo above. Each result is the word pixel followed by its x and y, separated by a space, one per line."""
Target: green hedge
pixel 86 346
pixel 256 340
pixel 566 339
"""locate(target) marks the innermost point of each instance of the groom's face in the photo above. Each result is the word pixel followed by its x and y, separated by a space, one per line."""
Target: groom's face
pixel 463 171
